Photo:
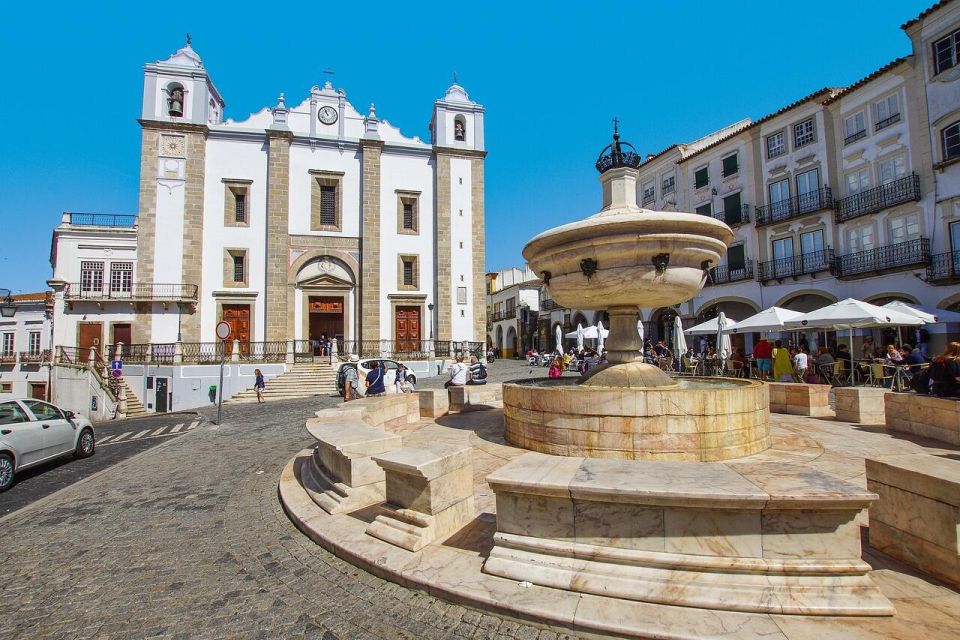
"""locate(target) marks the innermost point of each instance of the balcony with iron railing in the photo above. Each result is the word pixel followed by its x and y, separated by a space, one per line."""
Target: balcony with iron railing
pixel 505 315
pixel 548 305
pixel 794 207
pixel 100 219
pixel 723 274
pixel 794 266
pixel 35 357
pixel 136 292
pixel 895 257
pixel 944 268
pixel 886 122
pixel 735 217
pixel 905 189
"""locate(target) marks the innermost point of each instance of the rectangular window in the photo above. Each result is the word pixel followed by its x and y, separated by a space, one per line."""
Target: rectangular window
pixel 945 52
pixel 408 273
pixel 858 181
pixel 811 242
pixel 736 259
pixel 240 206
pixel 7 344
pixel 803 133
pixel 705 210
pixel 888 111
pixel 732 213
pixel 668 185
pixel 860 239
pixel 239 272
pixel 904 228
pixel 91 276
pixel 808 190
pixel 328 205
pixel 950 139
pixel 701 178
pixel 121 277
pixel 854 127
pixel 408 215
pixel 34 344
pixel 236 205
pixel 776 145
pixel 779 199
pixel 783 257
pixel 892 168
pixel 730 165
pixel 649 193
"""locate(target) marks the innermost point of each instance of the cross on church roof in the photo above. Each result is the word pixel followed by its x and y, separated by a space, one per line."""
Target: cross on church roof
pixel 188 39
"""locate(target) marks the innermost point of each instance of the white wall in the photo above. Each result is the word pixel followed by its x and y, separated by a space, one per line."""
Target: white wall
pixel 461 263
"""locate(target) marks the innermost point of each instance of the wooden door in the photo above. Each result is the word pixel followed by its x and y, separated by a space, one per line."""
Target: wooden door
pixel 122 333
pixel 38 390
pixel 407 332
pixel 90 334
pixel 238 317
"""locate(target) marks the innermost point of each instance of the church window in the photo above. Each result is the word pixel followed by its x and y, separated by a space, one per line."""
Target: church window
pixel 240 207
pixel 236 203
pixel 409 273
pixel 238 268
pixel 326 200
pixel 328 206
pixel 235 272
pixel 175 100
pixel 91 277
pixel 460 129
pixel 408 215
pixel 408 212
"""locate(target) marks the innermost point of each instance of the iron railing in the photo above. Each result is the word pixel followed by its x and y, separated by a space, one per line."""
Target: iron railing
pixel 905 189
pixel 805 263
pixel 903 255
pixel 103 219
pixel 735 217
pixel 201 351
pixel 794 207
pixel 35 357
pixel 505 315
pixel 886 122
pixel 8 357
pixel 723 274
pixel 149 291
pixel 549 305
pixel 853 137
pixel 944 268
pixel 273 351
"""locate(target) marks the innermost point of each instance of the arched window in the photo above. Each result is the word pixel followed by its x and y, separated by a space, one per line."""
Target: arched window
pixel 460 129
pixel 175 100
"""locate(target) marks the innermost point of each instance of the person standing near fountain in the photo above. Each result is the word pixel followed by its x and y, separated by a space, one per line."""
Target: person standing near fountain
pixel 782 366
pixel 763 353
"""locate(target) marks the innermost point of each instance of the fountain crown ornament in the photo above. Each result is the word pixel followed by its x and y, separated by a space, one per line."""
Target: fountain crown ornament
pixel 614 156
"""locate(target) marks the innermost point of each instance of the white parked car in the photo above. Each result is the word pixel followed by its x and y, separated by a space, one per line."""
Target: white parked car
pixel 365 366
pixel 34 431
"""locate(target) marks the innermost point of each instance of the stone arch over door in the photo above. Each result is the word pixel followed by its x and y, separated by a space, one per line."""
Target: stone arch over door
pixel 511 345
pixel 661 324
pixel 950 303
pixel 744 307
pixel 579 317
pixel 499 341
pixel 322 278
pixel 602 316
pixel 881 299
pixel 806 300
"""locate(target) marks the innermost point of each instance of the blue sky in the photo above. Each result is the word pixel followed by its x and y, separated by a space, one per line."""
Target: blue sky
pixel 551 75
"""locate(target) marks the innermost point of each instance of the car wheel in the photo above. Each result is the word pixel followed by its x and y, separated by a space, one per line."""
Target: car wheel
pixel 6 471
pixel 86 444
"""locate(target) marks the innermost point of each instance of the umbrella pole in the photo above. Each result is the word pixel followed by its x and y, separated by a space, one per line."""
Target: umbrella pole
pixel 851 356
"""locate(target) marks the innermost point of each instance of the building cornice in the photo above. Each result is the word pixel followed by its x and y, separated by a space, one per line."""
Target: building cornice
pixel 456 152
pixel 179 127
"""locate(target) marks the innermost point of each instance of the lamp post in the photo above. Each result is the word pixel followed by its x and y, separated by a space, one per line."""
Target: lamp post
pixel 7 308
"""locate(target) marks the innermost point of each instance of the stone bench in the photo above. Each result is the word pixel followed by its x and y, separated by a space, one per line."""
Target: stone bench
pixel 741 536
pixel 469 397
pixel 862 405
pixel 391 410
pixel 917 518
pixel 341 475
pixel 433 402
pixel 429 494
pixel 800 399
pixel 926 416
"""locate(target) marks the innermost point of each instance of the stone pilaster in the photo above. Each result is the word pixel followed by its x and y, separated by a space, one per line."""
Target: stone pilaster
pixel 146 229
pixel 444 252
pixel 276 319
pixel 192 265
pixel 370 249
pixel 478 242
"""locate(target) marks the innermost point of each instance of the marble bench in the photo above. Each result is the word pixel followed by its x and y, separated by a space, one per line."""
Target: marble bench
pixel 926 416
pixel 738 536
pixel 341 476
pixel 429 494
pixel 433 402
pixel 800 399
pixel 861 405
pixel 917 518
pixel 471 397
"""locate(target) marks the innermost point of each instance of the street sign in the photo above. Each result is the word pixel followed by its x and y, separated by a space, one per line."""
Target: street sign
pixel 116 365
pixel 223 330
pixel 116 373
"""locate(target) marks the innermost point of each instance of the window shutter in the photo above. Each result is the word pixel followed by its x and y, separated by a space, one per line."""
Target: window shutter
pixel 407 215
pixel 736 260
pixel 328 205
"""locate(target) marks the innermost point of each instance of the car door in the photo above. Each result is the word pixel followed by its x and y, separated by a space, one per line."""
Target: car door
pixel 58 432
pixel 20 433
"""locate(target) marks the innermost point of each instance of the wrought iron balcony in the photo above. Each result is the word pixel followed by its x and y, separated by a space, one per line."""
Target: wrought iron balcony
pixel 734 218
pixel 35 357
pixel 886 122
pixel 853 137
pixel 944 268
pixel 505 315
pixel 894 257
pixel 137 292
pixel 794 207
pixel 102 219
pixel 794 266
pixel 905 189
pixel 722 274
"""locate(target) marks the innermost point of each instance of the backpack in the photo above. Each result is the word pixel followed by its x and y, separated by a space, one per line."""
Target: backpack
pixel 481 372
pixel 921 381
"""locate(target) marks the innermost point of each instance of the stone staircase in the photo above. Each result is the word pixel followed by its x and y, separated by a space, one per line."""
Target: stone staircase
pixel 303 380
pixel 135 408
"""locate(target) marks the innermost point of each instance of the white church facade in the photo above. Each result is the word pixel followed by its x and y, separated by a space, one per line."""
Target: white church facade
pixel 306 220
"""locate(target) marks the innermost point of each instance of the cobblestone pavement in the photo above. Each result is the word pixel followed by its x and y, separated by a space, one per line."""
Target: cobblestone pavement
pixel 188 540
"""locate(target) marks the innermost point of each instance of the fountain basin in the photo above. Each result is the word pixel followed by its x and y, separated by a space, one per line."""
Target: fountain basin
pixel 698 419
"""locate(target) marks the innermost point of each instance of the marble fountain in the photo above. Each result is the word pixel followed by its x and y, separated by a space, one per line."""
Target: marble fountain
pixel 623 502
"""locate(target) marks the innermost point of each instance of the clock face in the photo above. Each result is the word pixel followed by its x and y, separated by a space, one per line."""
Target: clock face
pixel 327 115
pixel 172 145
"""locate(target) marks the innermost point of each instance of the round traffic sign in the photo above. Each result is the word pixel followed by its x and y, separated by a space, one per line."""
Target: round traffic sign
pixel 116 373
pixel 223 330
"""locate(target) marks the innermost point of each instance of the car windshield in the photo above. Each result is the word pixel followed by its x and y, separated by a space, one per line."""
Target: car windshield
pixel 43 411
pixel 11 413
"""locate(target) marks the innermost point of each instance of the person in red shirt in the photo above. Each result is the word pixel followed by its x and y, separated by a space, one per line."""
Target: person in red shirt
pixel 763 353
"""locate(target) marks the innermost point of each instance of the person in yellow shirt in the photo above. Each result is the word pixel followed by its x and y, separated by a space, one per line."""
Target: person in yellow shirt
pixel 782 365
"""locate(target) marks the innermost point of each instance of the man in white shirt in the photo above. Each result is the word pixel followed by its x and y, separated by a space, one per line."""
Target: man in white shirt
pixel 458 374
pixel 800 362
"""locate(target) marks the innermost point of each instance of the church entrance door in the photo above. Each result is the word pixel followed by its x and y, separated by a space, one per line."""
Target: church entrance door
pixel 407 332
pixel 238 317
pixel 326 321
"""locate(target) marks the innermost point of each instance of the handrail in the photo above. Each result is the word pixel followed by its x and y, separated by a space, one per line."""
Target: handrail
pixel 722 273
pixel 900 255
pixel 139 291
pixel 103 219
pixel 804 263
pixel 904 189
pixel 794 207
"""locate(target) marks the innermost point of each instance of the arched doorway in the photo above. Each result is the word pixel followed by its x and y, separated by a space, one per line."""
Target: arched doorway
pixel 734 310
pixel 511 344
pixel 325 303
pixel 500 342
pixel 661 325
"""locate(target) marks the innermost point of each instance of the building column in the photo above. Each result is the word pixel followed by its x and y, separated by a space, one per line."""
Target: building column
pixel 479 250
pixel 369 316
pixel 146 230
pixel 444 251
pixel 192 261
pixel 278 236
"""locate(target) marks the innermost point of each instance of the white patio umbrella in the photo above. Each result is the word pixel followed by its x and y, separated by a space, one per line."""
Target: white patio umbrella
pixel 601 334
pixel 709 327
pixel 579 337
pixel 679 345
pixel 640 331
pixel 772 319
pixel 723 339
pixel 929 315
pixel 589 333
pixel 559 339
pixel 851 314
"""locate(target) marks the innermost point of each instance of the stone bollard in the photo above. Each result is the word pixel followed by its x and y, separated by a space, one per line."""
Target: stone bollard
pixel 429 494
pixel 861 405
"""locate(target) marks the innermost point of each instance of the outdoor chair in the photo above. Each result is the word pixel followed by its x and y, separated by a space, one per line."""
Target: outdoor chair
pixel 840 375
pixel 880 375
pixel 733 368
pixel 689 368
pixel 666 363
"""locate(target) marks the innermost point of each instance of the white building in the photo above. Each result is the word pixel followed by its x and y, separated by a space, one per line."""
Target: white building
pixel 513 301
pixel 290 224
pixel 25 347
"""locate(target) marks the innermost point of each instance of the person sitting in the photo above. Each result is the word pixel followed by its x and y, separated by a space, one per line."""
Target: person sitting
pixel 893 356
pixel 404 381
pixel 915 359
pixel 556 368
pixel 945 371
pixel 375 381
pixel 476 374
pixel 739 363
pixel 458 374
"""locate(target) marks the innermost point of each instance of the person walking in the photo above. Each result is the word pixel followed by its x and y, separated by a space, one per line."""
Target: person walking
pixel 763 354
pixel 259 385
pixel 375 381
pixel 782 367
pixel 801 362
